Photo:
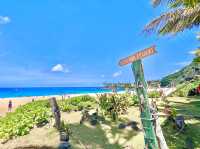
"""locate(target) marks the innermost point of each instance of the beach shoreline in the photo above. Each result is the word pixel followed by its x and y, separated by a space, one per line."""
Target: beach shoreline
pixel 18 101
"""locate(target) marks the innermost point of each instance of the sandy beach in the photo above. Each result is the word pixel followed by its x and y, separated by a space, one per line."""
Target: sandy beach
pixel 17 101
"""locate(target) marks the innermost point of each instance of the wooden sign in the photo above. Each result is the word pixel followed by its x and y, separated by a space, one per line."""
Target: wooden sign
pixel 139 55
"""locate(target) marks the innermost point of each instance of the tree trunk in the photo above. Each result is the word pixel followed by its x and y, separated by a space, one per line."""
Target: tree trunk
pixel 56 112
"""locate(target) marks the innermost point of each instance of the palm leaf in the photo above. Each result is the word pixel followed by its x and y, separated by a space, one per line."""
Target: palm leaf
pixel 175 21
pixel 176 3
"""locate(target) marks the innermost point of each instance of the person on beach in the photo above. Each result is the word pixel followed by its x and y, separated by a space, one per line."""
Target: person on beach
pixel 10 106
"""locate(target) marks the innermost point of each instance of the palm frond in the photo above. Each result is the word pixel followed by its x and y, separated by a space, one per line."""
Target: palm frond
pixel 176 3
pixel 158 2
pixel 175 21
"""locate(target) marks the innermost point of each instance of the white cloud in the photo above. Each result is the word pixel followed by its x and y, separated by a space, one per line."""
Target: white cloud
pixel 192 52
pixel 103 76
pixel 175 71
pixel 117 74
pixel 185 63
pixel 198 36
pixel 59 68
pixel 4 20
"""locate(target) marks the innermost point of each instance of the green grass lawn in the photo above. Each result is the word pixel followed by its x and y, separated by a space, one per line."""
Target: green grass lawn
pixel 188 107
pixel 107 135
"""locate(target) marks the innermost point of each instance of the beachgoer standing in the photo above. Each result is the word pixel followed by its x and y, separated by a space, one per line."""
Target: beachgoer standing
pixel 10 106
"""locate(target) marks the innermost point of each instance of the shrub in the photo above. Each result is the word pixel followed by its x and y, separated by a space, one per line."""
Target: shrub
pixel 25 117
pixel 183 89
pixel 67 107
pixel 131 98
pixel 196 60
pixel 113 104
pixel 154 94
pixel 77 103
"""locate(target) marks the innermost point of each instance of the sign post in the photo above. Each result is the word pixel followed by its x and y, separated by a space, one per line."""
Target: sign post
pixel 148 122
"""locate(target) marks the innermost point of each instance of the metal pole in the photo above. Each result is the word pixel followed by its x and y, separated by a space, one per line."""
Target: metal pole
pixel 146 116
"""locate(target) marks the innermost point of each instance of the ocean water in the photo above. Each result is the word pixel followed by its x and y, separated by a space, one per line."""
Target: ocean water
pixel 45 91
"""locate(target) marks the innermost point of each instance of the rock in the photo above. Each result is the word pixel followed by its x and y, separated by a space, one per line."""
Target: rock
pixel 180 122
pixel 132 123
pixel 93 122
pixel 64 145
pixel 64 141
pixel 135 127
pixel 122 126
pixel 64 137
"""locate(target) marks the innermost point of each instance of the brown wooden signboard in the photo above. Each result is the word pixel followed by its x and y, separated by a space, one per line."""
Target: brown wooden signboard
pixel 138 55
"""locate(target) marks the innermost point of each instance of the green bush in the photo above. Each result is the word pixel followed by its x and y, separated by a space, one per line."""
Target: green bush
pixel 65 107
pixel 183 89
pixel 196 59
pixel 154 94
pixel 25 117
pixel 113 105
pixel 134 100
pixel 77 103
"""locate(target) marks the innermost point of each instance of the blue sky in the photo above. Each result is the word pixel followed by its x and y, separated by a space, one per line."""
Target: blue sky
pixel 79 43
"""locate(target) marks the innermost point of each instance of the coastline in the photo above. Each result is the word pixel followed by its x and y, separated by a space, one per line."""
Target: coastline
pixel 18 101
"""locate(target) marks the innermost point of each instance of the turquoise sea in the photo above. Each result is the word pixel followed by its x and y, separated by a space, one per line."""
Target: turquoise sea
pixel 45 91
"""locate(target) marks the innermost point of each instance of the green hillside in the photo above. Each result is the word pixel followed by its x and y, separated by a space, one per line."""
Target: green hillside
pixel 185 74
pixel 183 89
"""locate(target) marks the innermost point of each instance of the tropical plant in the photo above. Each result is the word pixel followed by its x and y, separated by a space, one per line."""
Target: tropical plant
pixel 77 103
pixel 183 14
pixel 65 128
pixel 183 90
pixel 114 104
pixel 154 94
pixel 196 60
pixel 25 117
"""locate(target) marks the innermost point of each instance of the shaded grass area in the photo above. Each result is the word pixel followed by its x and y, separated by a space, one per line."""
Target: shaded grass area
pixel 179 141
pixel 190 109
pixel 103 136
pixel 107 135
pixel 87 137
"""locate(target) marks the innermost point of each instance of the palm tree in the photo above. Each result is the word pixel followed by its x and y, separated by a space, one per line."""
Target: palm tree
pixel 183 14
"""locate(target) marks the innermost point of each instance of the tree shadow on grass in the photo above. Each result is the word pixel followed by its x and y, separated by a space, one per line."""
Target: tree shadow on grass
pixel 88 137
pixel 177 140
pixel 191 108
pixel 97 137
